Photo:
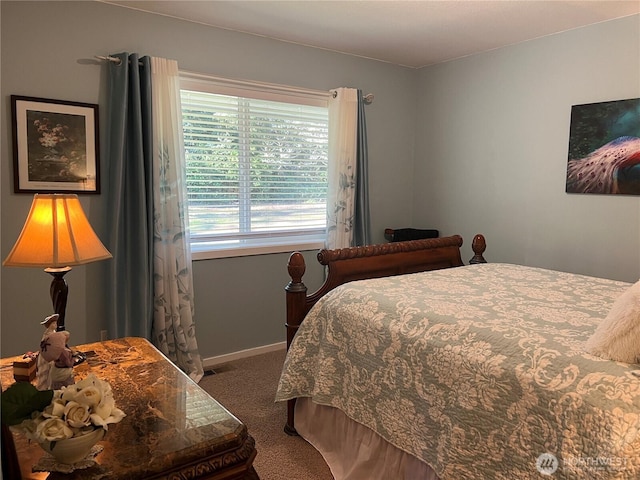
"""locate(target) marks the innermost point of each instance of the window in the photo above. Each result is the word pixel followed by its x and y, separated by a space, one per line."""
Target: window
pixel 256 167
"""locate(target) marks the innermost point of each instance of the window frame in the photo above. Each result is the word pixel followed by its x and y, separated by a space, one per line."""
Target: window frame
pixel 272 242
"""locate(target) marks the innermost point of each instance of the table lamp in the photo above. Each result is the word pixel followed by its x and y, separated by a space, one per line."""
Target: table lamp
pixel 56 236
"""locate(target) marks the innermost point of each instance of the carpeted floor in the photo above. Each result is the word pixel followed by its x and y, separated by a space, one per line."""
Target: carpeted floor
pixel 247 389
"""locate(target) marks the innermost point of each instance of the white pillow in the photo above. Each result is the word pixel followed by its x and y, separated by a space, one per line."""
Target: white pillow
pixel 618 335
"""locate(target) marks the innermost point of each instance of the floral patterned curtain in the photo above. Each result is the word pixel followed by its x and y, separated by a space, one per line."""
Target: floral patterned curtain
pixel 150 285
pixel 343 119
pixel 173 329
pixel 348 219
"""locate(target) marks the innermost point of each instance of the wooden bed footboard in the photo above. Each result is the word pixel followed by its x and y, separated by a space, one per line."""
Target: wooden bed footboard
pixel 371 261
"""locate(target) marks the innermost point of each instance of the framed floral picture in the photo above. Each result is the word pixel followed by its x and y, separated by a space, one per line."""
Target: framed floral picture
pixel 55 146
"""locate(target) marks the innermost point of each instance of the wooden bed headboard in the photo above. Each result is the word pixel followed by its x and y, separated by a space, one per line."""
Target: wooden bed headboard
pixel 371 261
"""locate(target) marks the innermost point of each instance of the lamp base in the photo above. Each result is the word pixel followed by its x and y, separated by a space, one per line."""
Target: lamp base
pixel 59 291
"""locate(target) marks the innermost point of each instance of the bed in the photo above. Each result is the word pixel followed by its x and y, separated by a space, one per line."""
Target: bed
pixel 409 364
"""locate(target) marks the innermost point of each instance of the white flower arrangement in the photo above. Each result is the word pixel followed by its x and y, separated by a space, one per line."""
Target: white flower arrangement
pixel 74 411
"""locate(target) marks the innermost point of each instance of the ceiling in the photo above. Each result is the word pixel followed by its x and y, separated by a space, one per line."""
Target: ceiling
pixel 414 33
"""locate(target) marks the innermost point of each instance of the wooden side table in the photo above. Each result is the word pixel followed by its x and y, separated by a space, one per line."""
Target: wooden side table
pixel 173 428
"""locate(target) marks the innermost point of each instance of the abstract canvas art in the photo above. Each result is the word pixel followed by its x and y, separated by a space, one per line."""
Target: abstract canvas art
pixel 604 148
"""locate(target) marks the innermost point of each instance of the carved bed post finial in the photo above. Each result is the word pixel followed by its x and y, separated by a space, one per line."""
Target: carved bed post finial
pixel 296 295
pixel 296 268
pixel 296 310
pixel 479 245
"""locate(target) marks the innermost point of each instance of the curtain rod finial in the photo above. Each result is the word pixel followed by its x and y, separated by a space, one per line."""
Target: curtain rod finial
pixel 109 58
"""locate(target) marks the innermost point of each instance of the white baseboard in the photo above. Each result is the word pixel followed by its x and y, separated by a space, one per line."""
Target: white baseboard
pixel 211 362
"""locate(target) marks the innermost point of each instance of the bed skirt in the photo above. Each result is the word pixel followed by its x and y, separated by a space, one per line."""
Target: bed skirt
pixel 353 451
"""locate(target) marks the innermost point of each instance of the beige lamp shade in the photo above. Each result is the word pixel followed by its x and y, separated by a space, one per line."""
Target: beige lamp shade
pixel 56 234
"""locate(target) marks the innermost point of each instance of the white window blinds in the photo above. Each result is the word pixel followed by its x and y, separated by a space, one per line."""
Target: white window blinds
pixel 256 169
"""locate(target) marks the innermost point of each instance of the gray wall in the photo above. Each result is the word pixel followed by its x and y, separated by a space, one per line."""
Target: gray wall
pixel 475 145
pixel 48 50
pixel 492 145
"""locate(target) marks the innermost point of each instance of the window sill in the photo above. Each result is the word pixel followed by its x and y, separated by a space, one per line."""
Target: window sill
pixel 206 252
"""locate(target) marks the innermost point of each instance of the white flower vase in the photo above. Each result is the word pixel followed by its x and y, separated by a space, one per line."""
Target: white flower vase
pixel 72 450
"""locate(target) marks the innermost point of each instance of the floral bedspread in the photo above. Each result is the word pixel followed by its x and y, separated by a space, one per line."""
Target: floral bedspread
pixel 479 371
